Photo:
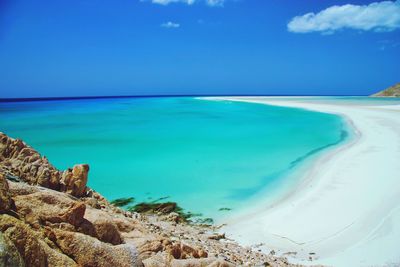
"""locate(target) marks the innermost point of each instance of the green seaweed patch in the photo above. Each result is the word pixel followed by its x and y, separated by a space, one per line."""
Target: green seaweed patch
pixel 153 207
pixel 121 202
pixel 166 208
pixel 225 209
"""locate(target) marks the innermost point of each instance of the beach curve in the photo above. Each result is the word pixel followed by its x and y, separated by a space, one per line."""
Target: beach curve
pixel 346 211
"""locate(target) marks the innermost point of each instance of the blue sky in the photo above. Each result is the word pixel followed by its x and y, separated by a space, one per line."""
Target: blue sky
pixel 131 47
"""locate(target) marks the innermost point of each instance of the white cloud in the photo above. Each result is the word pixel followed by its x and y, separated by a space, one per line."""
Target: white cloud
pixel 377 16
pixel 187 2
pixel 215 2
pixel 167 2
pixel 170 24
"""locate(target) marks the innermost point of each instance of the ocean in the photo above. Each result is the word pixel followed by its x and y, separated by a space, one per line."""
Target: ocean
pixel 211 157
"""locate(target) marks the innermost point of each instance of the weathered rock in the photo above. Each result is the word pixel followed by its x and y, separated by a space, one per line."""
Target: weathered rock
pixel 49 206
pixel 30 244
pixel 151 245
pixel 164 259
pixel 20 189
pixel 126 224
pixel 55 209
pixel 88 251
pixel 206 262
pixel 73 181
pixel 104 227
pixel 9 255
pixel 183 251
pixel 25 163
pixel 158 260
pixel 6 202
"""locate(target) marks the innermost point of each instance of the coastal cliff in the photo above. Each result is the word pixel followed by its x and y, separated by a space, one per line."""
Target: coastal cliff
pixel 393 91
pixel 50 217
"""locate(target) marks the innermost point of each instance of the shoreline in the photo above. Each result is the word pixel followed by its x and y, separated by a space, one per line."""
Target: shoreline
pixel 340 213
pixel 48 217
pixel 290 180
pixel 297 168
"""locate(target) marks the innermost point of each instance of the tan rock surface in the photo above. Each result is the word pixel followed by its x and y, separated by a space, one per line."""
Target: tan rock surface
pixel 27 164
pixel 53 207
pixel 6 202
pixel 88 251
pixel 74 181
pixel 31 245
pixel 9 254
pixel 104 227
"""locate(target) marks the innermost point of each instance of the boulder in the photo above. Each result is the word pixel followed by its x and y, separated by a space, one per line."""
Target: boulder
pixel 150 245
pixel 57 210
pixel 183 251
pixel 30 245
pixel 104 227
pixel 73 181
pixel 88 251
pixel 49 206
pixel 164 259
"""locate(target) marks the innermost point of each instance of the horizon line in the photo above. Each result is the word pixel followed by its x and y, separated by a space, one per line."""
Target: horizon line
pixel 60 98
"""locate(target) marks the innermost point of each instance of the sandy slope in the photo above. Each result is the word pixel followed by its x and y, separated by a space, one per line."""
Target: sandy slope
pixel 347 208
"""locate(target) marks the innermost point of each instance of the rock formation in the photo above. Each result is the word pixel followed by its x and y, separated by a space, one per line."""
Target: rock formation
pixel 6 202
pixel 393 91
pixel 50 218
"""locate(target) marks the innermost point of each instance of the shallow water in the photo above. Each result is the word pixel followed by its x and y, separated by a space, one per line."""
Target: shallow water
pixel 206 155
pixel 347 100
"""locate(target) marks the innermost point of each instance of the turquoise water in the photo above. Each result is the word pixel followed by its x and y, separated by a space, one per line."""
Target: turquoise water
pixel 349 100
pixel 205 155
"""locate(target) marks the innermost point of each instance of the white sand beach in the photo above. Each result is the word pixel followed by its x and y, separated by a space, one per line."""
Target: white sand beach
pixel 346 208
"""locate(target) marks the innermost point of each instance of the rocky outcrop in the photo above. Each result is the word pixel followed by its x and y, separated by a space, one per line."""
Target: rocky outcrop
pixel 6 202
pixel 393 91
pixel 104 227
pixel 9 255
pixel 74 181
pixel 50 218
pixel 88 251
pixel 30 245
pixel 22 162
pixel 44 208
